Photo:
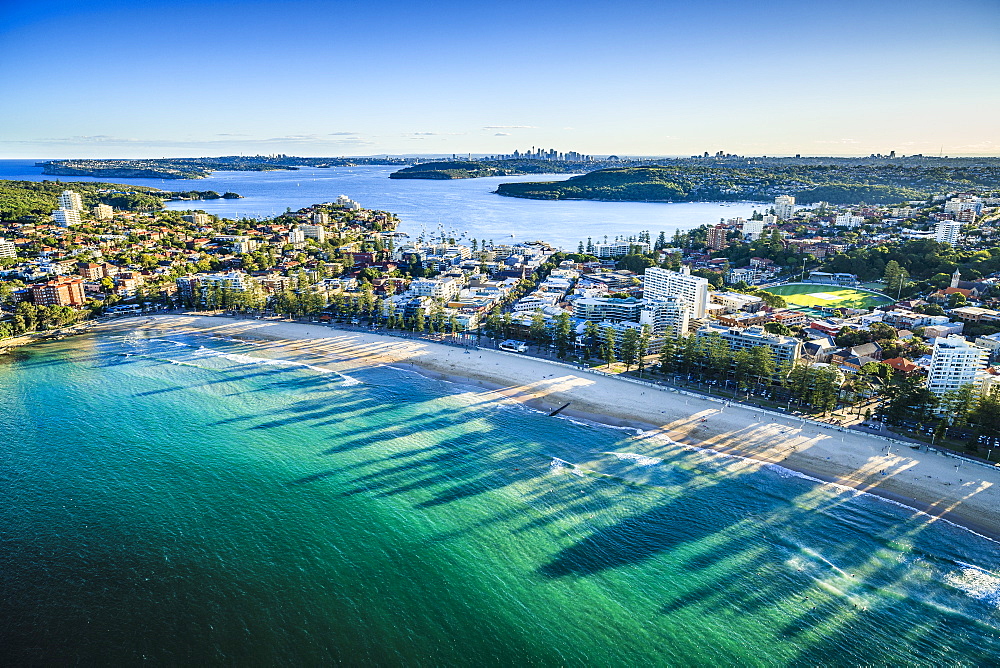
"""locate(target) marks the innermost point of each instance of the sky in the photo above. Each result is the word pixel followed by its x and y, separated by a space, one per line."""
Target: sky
pixel 159 78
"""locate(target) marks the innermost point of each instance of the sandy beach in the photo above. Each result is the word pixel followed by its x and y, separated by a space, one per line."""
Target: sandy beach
pixel 938 485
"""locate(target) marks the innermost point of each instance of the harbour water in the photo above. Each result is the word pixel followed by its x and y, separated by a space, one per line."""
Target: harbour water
pixel 465 205
pixel 190 500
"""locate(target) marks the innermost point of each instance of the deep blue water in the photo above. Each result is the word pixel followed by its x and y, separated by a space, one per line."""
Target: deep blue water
pixel 466 205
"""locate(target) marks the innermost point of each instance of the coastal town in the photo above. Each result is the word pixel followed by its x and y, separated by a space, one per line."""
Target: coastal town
pixel 874 316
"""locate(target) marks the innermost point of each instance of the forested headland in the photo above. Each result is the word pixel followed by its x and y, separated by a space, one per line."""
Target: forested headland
pixel 833 183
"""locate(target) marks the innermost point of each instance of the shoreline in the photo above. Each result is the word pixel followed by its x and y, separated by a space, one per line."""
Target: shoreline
pixel 930 484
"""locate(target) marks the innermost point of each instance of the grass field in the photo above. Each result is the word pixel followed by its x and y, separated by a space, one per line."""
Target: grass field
pixel 805 295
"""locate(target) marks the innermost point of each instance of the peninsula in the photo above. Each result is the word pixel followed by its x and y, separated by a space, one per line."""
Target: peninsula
pixel 198 168
pixel 835 181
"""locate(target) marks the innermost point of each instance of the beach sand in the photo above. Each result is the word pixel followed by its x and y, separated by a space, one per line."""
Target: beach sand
pixel 938 485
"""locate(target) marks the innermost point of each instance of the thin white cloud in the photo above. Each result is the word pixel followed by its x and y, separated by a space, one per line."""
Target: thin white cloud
pixel 502 134
pixel 508 127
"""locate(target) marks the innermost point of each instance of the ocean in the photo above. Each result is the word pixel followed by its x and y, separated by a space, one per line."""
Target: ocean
pixel 431 207
pixel 189 500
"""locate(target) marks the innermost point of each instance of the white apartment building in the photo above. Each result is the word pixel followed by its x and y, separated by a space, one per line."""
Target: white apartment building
pixel 613 309
pixel 7 249
pixel 317 232
pixel 296 236
pixel 234 280
pixel 103 211
pixel 348 203
pixel 70 199
pixel 848 220
pixel 667 315
pixel 619 248
pixel 947 231
pixel 784 207
pixel 752 229
pixel 658 284
pixel 786 349
pixel 320 218
pixel 432 287
pixel 66 217
pixel 960 204
pixel 955 362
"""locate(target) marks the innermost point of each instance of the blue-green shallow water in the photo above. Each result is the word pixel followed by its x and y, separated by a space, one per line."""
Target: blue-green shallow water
pixel 188 505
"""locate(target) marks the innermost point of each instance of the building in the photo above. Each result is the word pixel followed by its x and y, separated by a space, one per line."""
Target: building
pixel 432 287
pixel 959 205
pixel 716 238
pixel 66 217
pixel 320 218
pixel 60 292
pixel 619 248
pixel 947 231
pixel 752 229
pixel 665 316
pixel 71 200
pixel 612 309
pixel 786 349
pixel 7 249
pixel 103 212
pixel 317 231
pixel 347 203
pixel 296 235
pixel 955 362
pixel 784 207
pixel 196 284
pixel 848 220
pixel 199 219
pixel 658 284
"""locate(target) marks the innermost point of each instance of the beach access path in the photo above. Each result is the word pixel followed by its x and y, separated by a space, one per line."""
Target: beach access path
pixel 938 485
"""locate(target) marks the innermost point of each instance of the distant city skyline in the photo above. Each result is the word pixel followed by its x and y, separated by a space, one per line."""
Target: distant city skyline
pixel 158 78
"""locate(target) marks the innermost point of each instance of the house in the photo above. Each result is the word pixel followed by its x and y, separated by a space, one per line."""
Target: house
pixel 902 365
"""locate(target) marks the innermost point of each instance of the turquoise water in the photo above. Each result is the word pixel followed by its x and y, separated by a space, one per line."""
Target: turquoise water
pixel 191 503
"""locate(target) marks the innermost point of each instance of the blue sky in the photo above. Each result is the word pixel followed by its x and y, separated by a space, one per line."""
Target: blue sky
pixel 157 78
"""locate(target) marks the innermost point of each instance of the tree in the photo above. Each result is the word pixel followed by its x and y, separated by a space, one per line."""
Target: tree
pixel 537 330
pixel 777 328
pixel 644 340
pixel 894 277
pixel 563 331
pixel 630 347
pixel 608 345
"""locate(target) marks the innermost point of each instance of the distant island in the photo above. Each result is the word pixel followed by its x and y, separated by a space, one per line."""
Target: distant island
pixel 836 181
pixel 197 168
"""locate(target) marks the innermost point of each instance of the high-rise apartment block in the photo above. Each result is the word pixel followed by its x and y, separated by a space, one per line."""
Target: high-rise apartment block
pixel 317 232
pixel 955 362
pixel 320 218
pixel 660 284
pixel 716 239
pixel 7 249
pixel 66 217
pixel 784 207
pixel 665 316
pixel 752 229
pixel 947 231
pixel 70 200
